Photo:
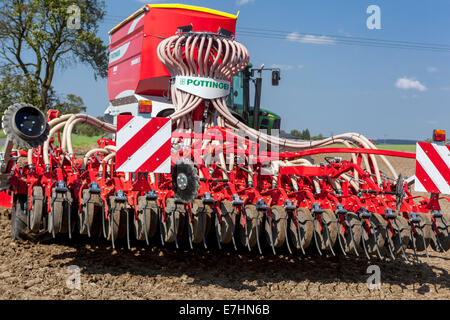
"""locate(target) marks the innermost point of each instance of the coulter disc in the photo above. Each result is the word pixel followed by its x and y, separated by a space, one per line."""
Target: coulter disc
pixel 303 220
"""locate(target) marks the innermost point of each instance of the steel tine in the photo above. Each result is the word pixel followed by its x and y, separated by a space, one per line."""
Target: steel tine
pixel 128 230
pixel 233 228
pixel 436 232
pixel 287 236
pixel 338 224
pixel 246 232
pixel 413 241
pixel 300 236
pixel 190 232
pixel 203 227
pixel 328 235
pixel 315 235
pixel 257 233
pixel 389 243
pixel 374 233
pixel 352 237
pixel 69 205
pixel 175 216
pixel 269 221
pixel 424 243
pixel 111 222
pixel 53 218
pixel 400 239
pixel 103 220
pixel 160 214
pixel 217 224
pixel 364 240
pixel 145 223
pixel 87 216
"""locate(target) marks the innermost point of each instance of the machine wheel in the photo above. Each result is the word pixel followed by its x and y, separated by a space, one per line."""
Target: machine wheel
pixel 90 216
pixel 36 213
pixel 442 225
pixel 326 240
pixel 305 224
pixel 185 180
pixel 201 223
pixel 25 125
pixel 147 221
pixel 57 218
pixel 174 224
pixel 402 234
pixel 276 231
pixel 225 229
pixel 116 226
pixel 379 228
pixel 19 219
pixel 251 227
pixel 351 233
pixel 425 235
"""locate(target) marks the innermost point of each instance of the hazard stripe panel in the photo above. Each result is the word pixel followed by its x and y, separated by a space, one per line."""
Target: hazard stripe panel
pixel 432 168
pixel 143 145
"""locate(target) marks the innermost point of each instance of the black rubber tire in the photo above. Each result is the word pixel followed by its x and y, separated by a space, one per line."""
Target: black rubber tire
pixel 19 218
pixel 8 127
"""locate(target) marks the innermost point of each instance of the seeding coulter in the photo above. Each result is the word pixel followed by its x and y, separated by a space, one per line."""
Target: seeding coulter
pixel 181 169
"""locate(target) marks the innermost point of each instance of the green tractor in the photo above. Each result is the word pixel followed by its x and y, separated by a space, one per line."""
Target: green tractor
pixel 239 99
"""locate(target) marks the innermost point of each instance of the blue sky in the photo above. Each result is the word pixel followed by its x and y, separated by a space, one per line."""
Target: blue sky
pixel 328 87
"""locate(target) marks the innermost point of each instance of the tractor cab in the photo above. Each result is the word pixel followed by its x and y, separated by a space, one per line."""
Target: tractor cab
pixel 239 99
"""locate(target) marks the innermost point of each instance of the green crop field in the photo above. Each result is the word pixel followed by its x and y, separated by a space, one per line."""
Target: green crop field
pixel 395 147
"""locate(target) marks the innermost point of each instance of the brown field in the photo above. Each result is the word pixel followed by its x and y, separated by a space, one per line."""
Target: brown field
pixel 40 271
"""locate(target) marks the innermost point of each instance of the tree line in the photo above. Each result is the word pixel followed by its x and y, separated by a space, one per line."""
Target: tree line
pixel 304 134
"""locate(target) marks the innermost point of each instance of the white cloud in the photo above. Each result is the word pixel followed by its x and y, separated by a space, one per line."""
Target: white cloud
pixel 243 2
pixel 432 69
pixel 296 37
pixel 284 67
pixel 300 66
pixel 407 83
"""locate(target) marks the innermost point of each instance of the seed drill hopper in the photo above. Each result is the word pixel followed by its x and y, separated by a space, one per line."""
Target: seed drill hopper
pixel 180 170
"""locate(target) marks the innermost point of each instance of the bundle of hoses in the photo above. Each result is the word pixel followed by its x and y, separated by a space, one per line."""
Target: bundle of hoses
pixel 219 57
pixel 67 124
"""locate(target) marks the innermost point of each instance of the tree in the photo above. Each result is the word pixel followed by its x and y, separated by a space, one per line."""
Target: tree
pixel 306 135
pixel 37 36
pixel 73 104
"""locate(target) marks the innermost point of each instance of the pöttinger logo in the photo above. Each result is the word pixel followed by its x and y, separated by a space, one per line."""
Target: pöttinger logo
pixel 206 88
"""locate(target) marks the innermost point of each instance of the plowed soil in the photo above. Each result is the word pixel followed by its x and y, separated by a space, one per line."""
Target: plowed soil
pixel 41 271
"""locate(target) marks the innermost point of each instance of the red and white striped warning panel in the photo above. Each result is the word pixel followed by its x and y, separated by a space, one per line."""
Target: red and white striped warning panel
pixel 432 168
pixel 143 144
